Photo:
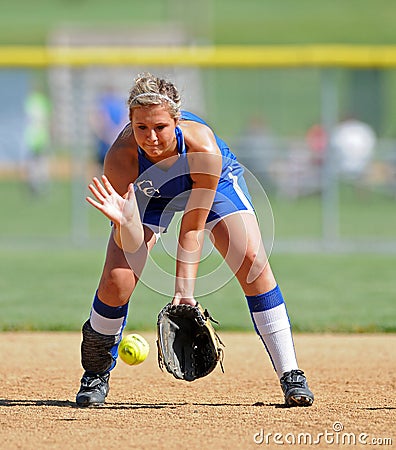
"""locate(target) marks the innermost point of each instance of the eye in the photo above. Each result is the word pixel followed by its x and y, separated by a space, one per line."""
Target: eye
pixel 141 127
pixel 161 127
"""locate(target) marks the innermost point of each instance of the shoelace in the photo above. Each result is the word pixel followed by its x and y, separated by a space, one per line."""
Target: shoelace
pixel 91 381
pixel 293 378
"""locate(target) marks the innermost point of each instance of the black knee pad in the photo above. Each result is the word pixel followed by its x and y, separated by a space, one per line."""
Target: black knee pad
pixel 98 351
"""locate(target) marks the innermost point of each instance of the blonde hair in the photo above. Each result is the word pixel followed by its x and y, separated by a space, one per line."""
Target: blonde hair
pixel 150 90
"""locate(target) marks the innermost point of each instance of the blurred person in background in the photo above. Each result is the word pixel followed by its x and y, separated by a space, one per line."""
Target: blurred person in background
pixel 317 139
pixel 107 119
pixel 38 140
pixel 354 142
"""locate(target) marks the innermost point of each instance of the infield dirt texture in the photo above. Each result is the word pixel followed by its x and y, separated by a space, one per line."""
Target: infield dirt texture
pixel 352 376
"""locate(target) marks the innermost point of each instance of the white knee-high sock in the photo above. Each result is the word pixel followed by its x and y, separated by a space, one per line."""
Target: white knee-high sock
pixel 108 320
pixel 271 321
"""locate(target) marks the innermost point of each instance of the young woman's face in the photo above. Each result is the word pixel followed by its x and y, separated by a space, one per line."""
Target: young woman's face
pixel 154 130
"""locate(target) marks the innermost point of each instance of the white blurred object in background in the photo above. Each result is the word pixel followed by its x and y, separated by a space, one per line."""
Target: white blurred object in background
pixel 354 141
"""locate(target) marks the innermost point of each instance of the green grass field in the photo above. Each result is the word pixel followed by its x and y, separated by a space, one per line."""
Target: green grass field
pixel 222 21
pixel 53 289
pixel 363 214
pixel 47 281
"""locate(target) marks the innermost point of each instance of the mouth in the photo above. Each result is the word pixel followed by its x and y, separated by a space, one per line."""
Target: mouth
pixel 152 145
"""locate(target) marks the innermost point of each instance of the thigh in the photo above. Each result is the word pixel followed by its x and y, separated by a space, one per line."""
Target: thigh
pixel 121 270
pixel 238 239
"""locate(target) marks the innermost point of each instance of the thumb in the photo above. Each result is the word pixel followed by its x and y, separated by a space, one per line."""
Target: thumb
pixel 130 196
pixel 130 206
pixel 176 299
pixel 131 190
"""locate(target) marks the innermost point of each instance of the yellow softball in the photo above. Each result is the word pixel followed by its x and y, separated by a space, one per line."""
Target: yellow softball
pixel 133 349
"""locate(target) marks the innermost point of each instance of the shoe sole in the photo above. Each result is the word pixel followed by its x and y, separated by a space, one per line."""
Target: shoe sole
pixel 84 401
pixel 299 400
pixel 90 405
pixel 87 404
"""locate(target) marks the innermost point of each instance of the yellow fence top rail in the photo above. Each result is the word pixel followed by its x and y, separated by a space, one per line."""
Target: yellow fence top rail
pixel 205 56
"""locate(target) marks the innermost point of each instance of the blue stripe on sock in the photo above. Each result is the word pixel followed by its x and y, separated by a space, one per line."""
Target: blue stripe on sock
pixel 114 349
pixel 265 301
pixel 110 312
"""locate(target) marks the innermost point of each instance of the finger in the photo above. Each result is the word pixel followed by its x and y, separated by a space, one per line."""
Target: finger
pixel 107 184
pixel 96 193
pixel 94 203
pixel 131 191
pixel 176 300
pixel 99 187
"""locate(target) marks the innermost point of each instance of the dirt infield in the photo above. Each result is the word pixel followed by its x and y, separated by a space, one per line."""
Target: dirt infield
pixel 352 376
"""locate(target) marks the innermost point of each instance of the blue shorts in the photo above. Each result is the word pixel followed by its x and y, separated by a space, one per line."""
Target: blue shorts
pixel 232 196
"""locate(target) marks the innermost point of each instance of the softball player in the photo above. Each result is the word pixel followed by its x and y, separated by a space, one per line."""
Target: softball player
pixel 167 160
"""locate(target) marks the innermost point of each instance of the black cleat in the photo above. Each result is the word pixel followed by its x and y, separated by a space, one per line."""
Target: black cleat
pixel 295 387
pixel 93 390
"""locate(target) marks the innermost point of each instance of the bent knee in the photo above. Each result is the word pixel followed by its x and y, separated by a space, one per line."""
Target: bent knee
pixel 255 265
pixel 116 285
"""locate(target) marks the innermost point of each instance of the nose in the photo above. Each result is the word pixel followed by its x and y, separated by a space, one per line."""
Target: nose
pixel 152 136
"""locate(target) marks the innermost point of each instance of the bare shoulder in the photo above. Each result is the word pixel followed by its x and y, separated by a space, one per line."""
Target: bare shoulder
pixel 121 163
pixel 198 137
pixel 204 155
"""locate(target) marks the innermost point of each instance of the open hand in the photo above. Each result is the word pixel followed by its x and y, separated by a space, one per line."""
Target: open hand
pixel 110 203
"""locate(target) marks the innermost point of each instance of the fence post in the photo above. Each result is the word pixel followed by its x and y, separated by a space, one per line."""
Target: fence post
pixel 79 211
pixel 330 194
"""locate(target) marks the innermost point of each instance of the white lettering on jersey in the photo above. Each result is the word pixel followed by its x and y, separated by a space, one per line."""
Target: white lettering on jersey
pixel 146 186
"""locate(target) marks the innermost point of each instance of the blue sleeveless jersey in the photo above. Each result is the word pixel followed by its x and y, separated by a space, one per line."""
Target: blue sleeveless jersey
pixel 162 192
